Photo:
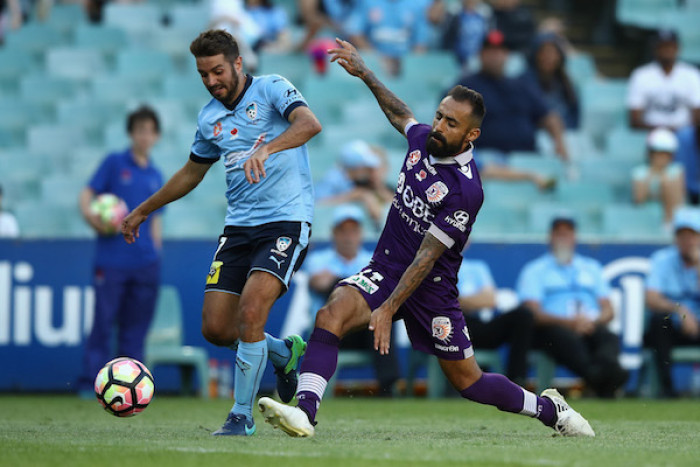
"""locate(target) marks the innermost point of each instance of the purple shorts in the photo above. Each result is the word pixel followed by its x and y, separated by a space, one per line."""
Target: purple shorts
pixel 435 324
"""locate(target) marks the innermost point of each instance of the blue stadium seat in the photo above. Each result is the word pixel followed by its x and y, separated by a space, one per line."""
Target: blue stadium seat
pixel 540 218
pixel 134 18
pixel 54 139
pixel 16 115
pixel 14 64
pixel 438 70
pixel 581 67
pixel 187 219
pixel 497 220
pixel 193 17
pixel 35 38
pixel 120 89
pixel 65 17
pixel 46 90
pixel 533 162
pixel 624 221
pixel 147 65
pixel 514 194
pixel 644 13
pixel 36 220
pixel 74 63
pixel 59 190
pixel 603 106
pixel 107 39
pixel 622 143
pixel 293 66
pixel 585 193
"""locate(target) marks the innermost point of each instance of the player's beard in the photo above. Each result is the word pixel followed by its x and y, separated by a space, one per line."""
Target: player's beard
pixel 437 146
pixel 229 97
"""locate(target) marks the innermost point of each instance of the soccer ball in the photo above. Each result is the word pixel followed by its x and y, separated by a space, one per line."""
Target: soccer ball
pixel 111 210
pixel 124 387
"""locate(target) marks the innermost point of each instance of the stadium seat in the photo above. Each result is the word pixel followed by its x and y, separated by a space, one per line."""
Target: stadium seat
pixel 540 217
pixel 14 64
pixel 74 63
pixel 623 143
pixel 164 343
pixel 134 18
pixel 581 67
pixel 293 66
pixel 91 115
pixel 603 106
pixel 499 220
pixel 65 17
pixel 437 383
pixel 623 221
pixel 34 38
pixel 438 70
pixel 193 17
pixel 533 162
pixel 37 221
pixel 46 90
pixel 54 139
pixel 107 39
pixel 648 14
pixel 146 64
pixel 348 359
pixel 59 190
pixel 513 194
pixel 649 373
pixel 16 115
pixel 187 219
pixel 120 89
pixel 584 193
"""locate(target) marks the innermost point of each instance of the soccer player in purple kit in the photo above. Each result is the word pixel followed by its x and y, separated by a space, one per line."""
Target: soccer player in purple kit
pixel 413 272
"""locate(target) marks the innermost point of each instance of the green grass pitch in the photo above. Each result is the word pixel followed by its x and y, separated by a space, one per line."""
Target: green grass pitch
pixel 66 431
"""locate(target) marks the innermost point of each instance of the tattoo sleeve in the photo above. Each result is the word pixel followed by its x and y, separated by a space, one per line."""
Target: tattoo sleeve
pixel 430 250
pixel 394 108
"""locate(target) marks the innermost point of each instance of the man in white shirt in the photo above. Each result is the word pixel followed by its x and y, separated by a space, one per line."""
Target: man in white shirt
pixel 8 223
pixel 665 92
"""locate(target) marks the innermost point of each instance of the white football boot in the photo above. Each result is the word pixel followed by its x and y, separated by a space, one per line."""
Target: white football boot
pixel 291 420
pixel 569 422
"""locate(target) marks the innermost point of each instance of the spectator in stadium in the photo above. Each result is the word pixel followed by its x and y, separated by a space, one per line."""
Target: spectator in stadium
pixel 516 22
pixel 488 328
pixel 343 259
pixel 516 108
pixel 569 298
pixel 126 277
pixel 665 92
pixel 673 295
pixel 10 17
pixel 358 178
pixel 465 30
pixel 318 14
pixel 273 22
pixel 688 155
pixel 9 228
pixel 232 16
pixel 547 71
pixel 660 179
pixel 393 28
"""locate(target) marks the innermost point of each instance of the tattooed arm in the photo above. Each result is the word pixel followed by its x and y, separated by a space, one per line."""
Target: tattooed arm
pixel 395 109
pixel 380 322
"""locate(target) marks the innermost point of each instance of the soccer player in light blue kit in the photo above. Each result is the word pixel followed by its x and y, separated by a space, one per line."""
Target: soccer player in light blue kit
pixel 259 127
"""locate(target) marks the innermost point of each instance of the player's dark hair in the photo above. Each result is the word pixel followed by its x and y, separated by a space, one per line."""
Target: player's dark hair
pixel 464 94
pixel 215 42
pixel 141 114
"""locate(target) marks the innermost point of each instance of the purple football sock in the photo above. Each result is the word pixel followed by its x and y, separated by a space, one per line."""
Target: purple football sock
pixel 317 368
pixel 497 390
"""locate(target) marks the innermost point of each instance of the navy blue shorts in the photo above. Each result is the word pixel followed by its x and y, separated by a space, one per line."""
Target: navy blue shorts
pixel 278 248
pixel 434 322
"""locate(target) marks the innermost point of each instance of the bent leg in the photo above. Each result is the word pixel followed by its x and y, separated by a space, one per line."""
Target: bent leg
pixel 345 311
pixel 497 390
pixel 220 320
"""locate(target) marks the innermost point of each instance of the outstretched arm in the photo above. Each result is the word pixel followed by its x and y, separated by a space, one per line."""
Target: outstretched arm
pixel 380 321
pixel 184 181
pixel 395 109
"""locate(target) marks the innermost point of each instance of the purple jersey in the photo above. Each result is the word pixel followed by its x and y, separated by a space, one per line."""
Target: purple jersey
pixel 440 197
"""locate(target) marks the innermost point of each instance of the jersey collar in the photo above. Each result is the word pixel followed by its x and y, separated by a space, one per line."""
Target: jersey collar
pixel 461 159
pixel 248 82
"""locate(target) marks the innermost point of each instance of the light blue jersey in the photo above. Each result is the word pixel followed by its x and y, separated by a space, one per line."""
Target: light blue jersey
pixel 474 276
pixel 329 260
pixel 669 276
pixel 564 290
pixel 258 116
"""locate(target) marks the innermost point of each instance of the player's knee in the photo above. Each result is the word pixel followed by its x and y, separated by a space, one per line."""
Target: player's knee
pixel 218 333
pixel 252 317
pixel 328 317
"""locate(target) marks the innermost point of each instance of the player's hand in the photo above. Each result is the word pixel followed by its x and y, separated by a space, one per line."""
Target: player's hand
pixel 583 325
pixel 254 167
pixel 689 323
pixel 130 225
pixel 380 322
pixel 349 58
pixel 97 225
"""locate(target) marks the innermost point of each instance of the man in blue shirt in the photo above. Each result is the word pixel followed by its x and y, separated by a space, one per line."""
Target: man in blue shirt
pixel 329 266
pixel 393 27
pixel 126 279
pixel 259 127
pixel 673 294
pixel 489 329
pixel 516 107
pixel 569 298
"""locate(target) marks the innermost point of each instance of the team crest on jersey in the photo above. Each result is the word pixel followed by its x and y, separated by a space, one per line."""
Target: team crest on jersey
pixel 413 158
pixel 283 243
pixel 252 110
pixel 437 192
pixel 442 328
pixel 218 127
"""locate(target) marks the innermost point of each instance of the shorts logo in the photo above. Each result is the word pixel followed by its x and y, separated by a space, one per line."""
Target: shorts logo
pixel 218 127
pixel 437 192
pixel 214 271
pixel 420 176
pixel 413 158
pixel 252 110
pixel 282 244
pixel 442 328
pixel 360 281
pixel 278 262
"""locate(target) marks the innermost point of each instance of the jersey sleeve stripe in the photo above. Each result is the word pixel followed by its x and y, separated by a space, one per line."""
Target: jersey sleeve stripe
pixel 293 106
pixel 442 236
pixel 201 160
